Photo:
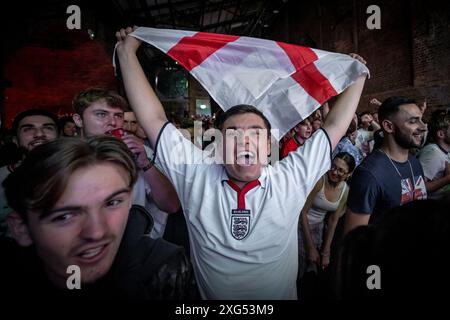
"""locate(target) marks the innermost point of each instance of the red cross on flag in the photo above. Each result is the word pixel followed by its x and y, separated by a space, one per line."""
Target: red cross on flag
pixel 286 82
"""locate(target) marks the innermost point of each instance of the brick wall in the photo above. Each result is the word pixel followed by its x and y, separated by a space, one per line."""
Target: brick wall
pixel 409 55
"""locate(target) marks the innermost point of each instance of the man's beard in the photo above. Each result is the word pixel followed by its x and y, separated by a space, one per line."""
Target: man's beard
pixel 403 140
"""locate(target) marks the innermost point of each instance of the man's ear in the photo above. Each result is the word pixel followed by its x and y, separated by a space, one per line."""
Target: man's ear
pixel 78 120
pixel 387 125
pixel 440 134
pixel 19 229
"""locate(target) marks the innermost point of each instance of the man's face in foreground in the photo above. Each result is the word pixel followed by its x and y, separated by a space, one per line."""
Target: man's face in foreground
pixel 86 225
pixel 246 147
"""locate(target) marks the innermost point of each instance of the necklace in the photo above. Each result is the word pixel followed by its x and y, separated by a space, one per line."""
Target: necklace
pixel 400 175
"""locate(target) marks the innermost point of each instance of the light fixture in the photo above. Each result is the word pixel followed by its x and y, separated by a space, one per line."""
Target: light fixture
pixel 91 34
pixel 203 106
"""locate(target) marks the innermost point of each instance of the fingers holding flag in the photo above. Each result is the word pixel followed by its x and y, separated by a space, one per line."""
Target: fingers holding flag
pixel 358 57
pixel 125 42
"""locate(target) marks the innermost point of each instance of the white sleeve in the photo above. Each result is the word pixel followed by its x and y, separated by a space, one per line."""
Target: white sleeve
pixel 309 162
pixel 176 157
pixel 430 162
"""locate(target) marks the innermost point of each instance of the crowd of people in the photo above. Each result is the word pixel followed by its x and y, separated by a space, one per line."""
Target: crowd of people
pixel 98 190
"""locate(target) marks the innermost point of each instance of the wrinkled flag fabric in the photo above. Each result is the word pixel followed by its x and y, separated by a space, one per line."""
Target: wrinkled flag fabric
pixel 285 82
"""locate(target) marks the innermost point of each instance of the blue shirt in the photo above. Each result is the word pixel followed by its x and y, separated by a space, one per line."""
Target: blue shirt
pixel 345 145
pixel 378 185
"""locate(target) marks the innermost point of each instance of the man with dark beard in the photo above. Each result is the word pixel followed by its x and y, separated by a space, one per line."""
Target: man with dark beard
pixel 32 128
pixel 390 176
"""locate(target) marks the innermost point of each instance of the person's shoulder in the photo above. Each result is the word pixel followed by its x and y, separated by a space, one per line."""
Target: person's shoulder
pixel 289 143
pixel 319 134
pixel 414 161
pixel 371 167
pixel 5 171
pixel 428 149
pixel 18 263
pixel 374 160
pixel 166 271
pixel 287 147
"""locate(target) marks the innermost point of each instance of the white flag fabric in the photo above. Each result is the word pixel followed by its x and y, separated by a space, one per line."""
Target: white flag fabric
pixel 286 82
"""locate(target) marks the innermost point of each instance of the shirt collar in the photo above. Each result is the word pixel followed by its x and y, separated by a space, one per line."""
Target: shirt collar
pixel 262 178
pixel 443 150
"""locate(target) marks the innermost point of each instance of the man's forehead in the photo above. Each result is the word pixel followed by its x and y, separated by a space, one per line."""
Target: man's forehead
pixel 410 110
pixel 129 115
pixel 103 105
pixel 244 121
pixel 36 120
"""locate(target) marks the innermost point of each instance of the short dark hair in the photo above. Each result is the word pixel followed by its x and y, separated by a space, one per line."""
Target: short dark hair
pixel 364 113
pixel 63 120
pixel 85 98
pixel 391 106
pixel 440 120
pixel 348 159
pixel 39 182
pixel 32 112
pixel 240 109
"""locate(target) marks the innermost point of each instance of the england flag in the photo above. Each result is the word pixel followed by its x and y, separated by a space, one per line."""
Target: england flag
pixel 286 82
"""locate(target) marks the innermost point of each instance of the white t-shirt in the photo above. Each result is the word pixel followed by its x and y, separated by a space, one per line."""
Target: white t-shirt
pixel 243 256
pixel 433 160
pixel 321 205
pixel 142 195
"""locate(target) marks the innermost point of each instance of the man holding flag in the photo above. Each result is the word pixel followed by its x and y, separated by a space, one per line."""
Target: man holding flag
pixel 242 214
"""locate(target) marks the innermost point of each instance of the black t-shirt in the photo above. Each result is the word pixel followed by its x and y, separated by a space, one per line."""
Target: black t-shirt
pixel 376 185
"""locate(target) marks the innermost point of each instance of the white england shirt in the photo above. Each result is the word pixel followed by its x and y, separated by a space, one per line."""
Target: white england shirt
pixel 243 256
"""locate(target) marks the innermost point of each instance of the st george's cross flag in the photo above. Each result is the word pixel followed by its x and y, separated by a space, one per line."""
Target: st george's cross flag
pixel 285 82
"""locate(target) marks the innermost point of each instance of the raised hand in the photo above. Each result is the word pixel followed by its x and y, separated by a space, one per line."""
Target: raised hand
pixel 126 43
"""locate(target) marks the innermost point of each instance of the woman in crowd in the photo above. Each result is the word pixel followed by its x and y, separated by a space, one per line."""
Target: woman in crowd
pixel 329 195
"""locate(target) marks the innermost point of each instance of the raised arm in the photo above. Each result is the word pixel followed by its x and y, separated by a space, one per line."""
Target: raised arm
pixel 141 96
pixel 341 114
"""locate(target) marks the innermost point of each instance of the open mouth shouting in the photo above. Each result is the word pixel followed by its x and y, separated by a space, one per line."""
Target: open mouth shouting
pixel 246 158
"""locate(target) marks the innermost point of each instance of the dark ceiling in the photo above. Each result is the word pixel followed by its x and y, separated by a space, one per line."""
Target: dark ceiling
pixel 241 17
pixel 43 23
